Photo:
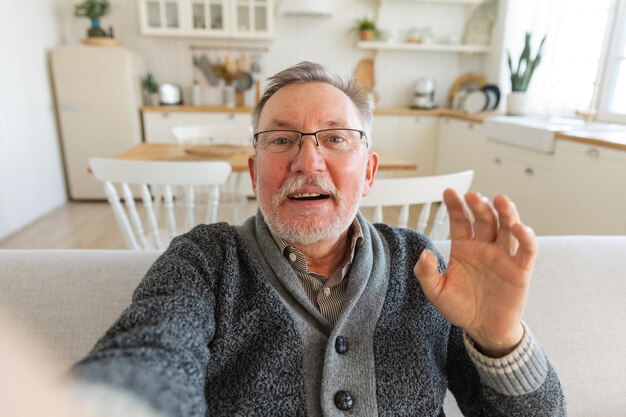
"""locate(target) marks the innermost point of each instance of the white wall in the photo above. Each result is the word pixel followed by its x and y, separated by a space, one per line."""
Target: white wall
pixel 31 172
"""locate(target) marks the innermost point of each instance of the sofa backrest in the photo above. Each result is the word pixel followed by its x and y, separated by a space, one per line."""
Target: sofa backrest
pixel 576 308
pixel 577 311
pixel 70 297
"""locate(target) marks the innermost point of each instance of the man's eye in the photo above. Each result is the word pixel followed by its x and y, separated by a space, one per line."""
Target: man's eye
pixel 336 139
pixel 280 141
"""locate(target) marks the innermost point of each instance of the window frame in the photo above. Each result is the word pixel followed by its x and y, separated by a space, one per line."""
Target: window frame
pixel 613 54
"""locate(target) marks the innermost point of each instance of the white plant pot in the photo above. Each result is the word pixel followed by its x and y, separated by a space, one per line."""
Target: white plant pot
pixel 518 103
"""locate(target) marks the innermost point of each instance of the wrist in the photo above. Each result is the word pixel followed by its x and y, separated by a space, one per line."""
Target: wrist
pixel 497 347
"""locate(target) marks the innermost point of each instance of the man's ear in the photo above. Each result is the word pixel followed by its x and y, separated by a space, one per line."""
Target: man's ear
pixel 371 168
pixel 252 171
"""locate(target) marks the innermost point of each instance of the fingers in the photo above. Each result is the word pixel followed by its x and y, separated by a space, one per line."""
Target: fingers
pixel 528 248
pixel 460 224
pixel 426 271
pixel 485 217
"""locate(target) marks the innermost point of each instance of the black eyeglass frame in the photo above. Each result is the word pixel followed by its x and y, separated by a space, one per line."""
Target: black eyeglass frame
pixel 255 136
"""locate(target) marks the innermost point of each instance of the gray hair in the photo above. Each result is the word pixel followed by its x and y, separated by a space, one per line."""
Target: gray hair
pixel 308 72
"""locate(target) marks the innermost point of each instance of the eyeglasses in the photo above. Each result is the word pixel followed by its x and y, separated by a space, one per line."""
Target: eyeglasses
pixel 336 140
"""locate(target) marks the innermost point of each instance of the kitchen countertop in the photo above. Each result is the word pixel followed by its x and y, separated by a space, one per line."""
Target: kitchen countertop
pixel 611 139
pixel 391 111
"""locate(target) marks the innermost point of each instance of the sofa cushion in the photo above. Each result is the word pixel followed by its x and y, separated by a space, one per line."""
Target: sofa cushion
pixel 577 311
pixel 70 297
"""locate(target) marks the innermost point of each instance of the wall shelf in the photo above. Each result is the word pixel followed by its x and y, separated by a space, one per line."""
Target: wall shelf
pixel 427 1
pixel 425 47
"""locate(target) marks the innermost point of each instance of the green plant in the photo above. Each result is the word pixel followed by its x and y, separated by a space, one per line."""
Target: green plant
pixel 93 9
pixel 520 78
pixel 364 24
pixel 149 84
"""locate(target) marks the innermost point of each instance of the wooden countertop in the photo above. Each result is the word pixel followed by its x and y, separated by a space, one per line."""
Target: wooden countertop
pixel 612 139
pixel 615 139
pixel 391 111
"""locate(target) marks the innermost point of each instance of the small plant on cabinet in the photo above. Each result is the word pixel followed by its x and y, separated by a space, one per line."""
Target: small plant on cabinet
pixel 94 10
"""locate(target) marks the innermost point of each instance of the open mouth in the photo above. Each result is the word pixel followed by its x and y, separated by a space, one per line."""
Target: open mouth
pixel 308 196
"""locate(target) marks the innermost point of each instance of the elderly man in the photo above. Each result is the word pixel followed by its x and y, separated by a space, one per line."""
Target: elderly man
pixel 308 309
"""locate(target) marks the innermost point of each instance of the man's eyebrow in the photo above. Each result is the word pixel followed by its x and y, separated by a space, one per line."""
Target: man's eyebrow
pixel 285 124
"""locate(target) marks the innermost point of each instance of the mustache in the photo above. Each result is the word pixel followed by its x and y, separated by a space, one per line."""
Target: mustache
pixel 295 184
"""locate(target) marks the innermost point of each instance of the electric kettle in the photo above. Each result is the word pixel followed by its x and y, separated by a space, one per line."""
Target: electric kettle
pixel 424 95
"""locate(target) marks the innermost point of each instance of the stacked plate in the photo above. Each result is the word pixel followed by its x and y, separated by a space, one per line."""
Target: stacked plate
pixel 485 99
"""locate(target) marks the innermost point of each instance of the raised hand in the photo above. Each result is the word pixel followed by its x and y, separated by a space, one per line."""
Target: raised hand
pixel 485 286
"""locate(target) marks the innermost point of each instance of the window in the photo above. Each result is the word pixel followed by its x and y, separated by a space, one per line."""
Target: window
pixel 612 92
pixel 583 67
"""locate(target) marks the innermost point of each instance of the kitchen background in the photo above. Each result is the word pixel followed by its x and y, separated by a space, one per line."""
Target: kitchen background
pixel 32 179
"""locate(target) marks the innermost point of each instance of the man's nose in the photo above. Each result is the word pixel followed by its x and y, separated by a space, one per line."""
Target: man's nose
pixel 308 157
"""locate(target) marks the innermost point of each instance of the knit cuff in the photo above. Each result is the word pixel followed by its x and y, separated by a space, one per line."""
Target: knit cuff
pixel 520 372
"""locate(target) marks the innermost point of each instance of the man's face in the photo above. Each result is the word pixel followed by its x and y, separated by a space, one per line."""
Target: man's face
pixel 311 193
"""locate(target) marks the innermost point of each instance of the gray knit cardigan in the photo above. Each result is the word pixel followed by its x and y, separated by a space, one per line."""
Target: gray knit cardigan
pixel 220 326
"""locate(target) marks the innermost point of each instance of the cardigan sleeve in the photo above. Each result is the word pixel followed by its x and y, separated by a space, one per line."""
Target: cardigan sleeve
pixel 521 384
pixel 158 349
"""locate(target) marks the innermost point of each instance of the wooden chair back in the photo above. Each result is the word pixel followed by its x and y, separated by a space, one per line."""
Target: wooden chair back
pixel 425 191
pixel 122 175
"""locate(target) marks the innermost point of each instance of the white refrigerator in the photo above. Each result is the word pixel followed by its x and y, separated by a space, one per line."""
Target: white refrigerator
pixel 98 99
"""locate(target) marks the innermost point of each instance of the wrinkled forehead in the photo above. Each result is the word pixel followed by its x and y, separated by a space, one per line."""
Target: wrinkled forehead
pixel 309 104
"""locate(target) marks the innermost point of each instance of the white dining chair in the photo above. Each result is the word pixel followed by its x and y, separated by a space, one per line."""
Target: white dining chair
pixel 126 175
pixel 425 191
pixel 217 134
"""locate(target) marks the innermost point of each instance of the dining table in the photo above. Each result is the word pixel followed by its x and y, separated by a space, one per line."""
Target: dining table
pixel 236 155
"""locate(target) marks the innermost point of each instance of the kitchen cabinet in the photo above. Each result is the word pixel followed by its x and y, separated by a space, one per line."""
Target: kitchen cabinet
pixel 157 126
pixel 460 146
pixel 411 138
pixel 525 176
pixel 234 19
pixel 589 189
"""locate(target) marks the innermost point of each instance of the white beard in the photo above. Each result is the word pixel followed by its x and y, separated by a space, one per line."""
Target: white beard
pixel 307 227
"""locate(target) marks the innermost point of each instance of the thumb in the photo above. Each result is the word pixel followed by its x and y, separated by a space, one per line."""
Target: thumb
pixel 426 271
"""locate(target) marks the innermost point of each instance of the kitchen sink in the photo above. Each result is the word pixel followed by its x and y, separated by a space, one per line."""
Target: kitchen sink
pixel 531 132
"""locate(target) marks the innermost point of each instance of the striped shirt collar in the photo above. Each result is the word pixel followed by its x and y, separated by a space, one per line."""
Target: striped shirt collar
pixel 355 235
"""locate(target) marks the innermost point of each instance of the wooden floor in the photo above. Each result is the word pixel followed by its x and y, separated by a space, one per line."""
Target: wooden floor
pixel 80 225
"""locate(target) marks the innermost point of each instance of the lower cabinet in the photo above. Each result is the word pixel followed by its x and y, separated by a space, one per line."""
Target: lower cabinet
pixel 579 189
pixel 157 126
pixel 410 138
pixel 460 146
pixel 525 177
pixel 589 189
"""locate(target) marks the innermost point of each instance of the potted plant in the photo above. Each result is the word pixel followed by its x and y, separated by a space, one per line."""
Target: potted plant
pixel 94 10
pixel 366 28
pixel 151 89
pixel 517 101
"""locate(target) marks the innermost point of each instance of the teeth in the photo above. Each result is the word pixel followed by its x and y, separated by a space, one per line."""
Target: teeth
pixel 305 195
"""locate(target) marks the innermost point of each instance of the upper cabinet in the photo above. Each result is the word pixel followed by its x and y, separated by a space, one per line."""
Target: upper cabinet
pixel 235 19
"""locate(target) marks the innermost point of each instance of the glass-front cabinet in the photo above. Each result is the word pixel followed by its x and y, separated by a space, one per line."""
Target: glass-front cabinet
pixel 249 19
pixel 162 16
pixel 208 17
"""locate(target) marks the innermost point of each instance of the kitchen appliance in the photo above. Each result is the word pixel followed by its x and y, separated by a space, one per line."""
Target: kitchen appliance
pixel 424 95
pixel 170 93
pixel 98 98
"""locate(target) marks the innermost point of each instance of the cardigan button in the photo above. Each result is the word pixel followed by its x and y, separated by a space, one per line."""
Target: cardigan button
pixel 343 400
pixel 341 345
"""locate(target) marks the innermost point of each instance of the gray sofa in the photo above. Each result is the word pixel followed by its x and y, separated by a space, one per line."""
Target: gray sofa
pixel 576 308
